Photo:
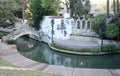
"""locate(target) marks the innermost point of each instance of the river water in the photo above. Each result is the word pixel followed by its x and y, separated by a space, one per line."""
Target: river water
pixel 41 52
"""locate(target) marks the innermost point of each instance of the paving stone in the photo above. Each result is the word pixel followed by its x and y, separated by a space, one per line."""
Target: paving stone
pixel 17 59
pixel 117 72
pixel 65 71
pixel 91 72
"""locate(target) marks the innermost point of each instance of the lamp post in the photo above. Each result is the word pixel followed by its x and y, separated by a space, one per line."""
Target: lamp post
pixel 102 32
pixel 52 23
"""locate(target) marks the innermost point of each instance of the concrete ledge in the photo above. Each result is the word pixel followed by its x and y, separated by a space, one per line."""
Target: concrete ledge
pixel 117 43
pixel 77 53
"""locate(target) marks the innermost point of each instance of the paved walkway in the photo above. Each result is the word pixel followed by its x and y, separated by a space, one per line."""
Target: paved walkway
pixel 11 55
pixel 77 43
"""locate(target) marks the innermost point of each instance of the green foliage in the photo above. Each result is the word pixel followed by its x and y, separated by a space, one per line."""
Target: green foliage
pixel 7 9
pixel 96 22
pixel 94 50
pixel 15 72
pixel 87 7
pixel 40 8
pixel 85 35
pixel 109 48
pixel 5 63
pixel 11 41
pixel 51 7
pixel 112 31
pixel 37 13
pixel 1 35
pixel 79 8
pixel 116 21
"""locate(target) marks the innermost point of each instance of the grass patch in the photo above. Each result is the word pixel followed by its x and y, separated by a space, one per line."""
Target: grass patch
pixel 1 35
pixel 5 63
pixel 20 72
pixel 93 36
pixel 23 73
pixel 11 41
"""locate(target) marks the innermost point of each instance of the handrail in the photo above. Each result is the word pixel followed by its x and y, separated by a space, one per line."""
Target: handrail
pixel 22 31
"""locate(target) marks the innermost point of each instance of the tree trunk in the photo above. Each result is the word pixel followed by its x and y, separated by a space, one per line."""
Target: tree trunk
pixel 117 5
pixel 108 9
pixel 66 3
pixel 114 7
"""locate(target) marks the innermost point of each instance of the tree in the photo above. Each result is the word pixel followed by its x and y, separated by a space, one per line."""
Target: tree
pixel 41 8
pixel 116 21
pixel 71 7
pixel 112 31
pixel 117 5
pixel 37 13
pixel 51 7
pixel 87 7
pixel 76 8
pixel 114 6
pixel 96 22
pixel 79 7
pixel 108 14
pixel 67 5
pixel 7 9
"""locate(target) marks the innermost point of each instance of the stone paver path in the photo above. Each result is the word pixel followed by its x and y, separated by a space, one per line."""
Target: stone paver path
pixel 11 55
pixel 77 43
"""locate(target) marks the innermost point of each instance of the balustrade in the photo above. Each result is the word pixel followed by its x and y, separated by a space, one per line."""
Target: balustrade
pixel 22 31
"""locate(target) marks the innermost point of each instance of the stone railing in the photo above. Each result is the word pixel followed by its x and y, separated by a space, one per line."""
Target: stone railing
pixel 22 31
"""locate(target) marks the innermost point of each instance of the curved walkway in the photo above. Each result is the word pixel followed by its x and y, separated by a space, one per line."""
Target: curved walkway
pixel 11 55
pixel 77 44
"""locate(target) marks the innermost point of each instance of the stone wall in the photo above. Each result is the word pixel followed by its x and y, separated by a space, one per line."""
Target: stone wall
pixel 82 27
pixel 116 43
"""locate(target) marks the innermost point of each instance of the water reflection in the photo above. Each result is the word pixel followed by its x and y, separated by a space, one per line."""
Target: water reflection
pixel 42 53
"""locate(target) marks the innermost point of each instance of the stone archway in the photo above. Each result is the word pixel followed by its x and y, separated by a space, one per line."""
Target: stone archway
pixel 83 24
pixel 78 24
pixel 88 25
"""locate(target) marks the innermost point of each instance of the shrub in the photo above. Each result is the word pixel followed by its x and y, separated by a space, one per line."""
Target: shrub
pixel 11 41
pixel 1 35
pixel 112 31
pixel 94 50
pixel 109 48
pixel 96 22
pixel 116 20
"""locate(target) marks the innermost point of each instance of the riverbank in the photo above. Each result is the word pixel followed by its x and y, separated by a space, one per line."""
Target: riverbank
pixel 11 55
pixel 85 52
pixel 78 46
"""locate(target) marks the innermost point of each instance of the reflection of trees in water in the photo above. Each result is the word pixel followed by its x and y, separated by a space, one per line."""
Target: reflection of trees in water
pixel 26 44
pixel 42 53
pixel 33 52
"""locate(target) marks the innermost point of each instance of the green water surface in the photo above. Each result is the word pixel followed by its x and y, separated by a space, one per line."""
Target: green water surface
pixel 41 52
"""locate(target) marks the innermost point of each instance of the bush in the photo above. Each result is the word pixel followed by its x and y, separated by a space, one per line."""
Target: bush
pixel 112 31
pixel 1 35
pixel 95 50
pixel 109 48
pixel 96 22
pixel 11 41
pixel 116 20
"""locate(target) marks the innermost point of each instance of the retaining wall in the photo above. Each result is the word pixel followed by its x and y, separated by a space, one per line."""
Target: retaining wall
pixel 117 43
